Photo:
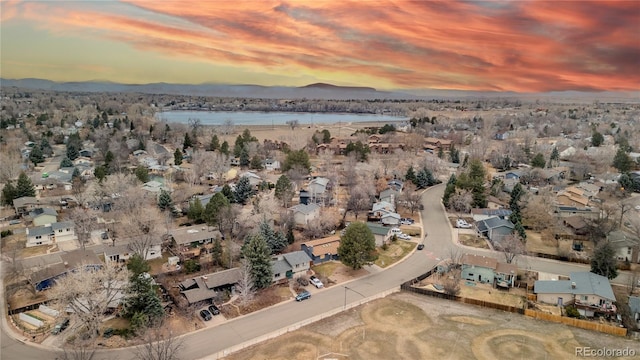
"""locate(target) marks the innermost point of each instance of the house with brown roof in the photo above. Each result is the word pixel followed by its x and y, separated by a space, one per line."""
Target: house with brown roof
pixel 436 144
pixel 488 270
pixel 72 260
pixel 572 196
pixel 207 287
pixel 322 250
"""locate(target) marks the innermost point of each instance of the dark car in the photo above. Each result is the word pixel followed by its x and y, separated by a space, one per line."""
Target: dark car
pixel 420 246
pixel 60 327
pixel 303 296
pixel 205 314
pixel 214 309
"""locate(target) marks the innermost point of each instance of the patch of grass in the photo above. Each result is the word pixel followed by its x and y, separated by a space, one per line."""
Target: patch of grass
pixel 473 240
pixel 156 264
pixel 396 251
pixel 116 323
pixel 325 269
pixel 34 251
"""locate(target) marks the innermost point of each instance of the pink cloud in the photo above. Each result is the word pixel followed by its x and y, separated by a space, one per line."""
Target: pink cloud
pixel 511 46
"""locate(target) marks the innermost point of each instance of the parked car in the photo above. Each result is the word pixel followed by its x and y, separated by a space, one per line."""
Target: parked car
pixel 395 231
pixel 303 296
pixel 462 224
pixel 60 327
pixel 420 246
pixel 406 221
pixel 316 282
pixel 14 222
pixel 214 309
pixel 205 314
pixel 403 236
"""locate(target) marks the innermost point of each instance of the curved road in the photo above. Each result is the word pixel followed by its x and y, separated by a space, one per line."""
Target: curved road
pixel 211 341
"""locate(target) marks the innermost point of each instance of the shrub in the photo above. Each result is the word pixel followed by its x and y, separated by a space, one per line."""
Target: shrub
pixel 302 281
pixel 572 312
pixel 6 233
pixel 191 266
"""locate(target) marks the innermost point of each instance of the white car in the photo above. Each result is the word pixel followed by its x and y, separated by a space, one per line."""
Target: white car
pixel 462 224
pixel 403 236
pixel 396 231
pixel 316 282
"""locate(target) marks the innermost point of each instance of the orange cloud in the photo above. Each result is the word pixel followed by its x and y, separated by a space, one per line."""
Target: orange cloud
pixel 524 46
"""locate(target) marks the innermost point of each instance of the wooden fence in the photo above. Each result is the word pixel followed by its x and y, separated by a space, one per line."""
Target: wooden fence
pixel 583 324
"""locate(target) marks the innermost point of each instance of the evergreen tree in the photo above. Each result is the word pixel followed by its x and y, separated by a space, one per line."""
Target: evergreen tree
pixel 357 246
pixel 244 156
pixel 256 252
pixel 45 146
pixel 66 162
pixel 36 156
pixel 196 210
pixel 143 306
pixel 290 238
pixel 142 173
pixel 239 144
pixel 455 155
pixel 214 209
pixel 108 160
pixel 244 190
pixel 164 200
pixel 74 145
pixel 284 190
pixel 137 265
pixel 538 161
pixel 555 155
pixel 256 162
pixel 75 174
pixel 440 153
pixel 177 157
pixel 9 193
pixel 224 148
pixel 24 187
pixel 228 193
pixel 596 139
pixel 100 172
pixel 626 183
pixel 449 190
pixel 187 143
pixel 521 231
pixel 299 158
pixel 216 252
pixel 424 179
pixel 603 261
pixel 622 161
pixel 326 136
pixel 215 143
pixel 275 240
pixel 411 175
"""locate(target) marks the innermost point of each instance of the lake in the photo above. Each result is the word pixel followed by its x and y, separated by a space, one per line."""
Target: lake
pixel 270 118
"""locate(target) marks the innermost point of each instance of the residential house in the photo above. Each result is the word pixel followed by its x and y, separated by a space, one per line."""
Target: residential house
pixel 87 153
pixel 123 251
pixel 207 287
pixel 190 240
pixel 271 164
pixel 488 270
pixel 25 204
pixel 435 144
pixel 390 219
pixel 495 203
pixel 513 174
pixel 585 212
pixel 304 213
pixel 495 228
pixel 71 261
pixel 290 265
pixel 381 208
pixel 502 135
pixel 43 216
pixel 154 187
pixel 49 234
pixel 626 245
pixel 588 292
pixel 319 190
pixel 380 233
pixel 254 179
pixel 572 196
pixel 389 195
pixel 396 184
pixel 480 214
pixel 577 224
pixel 322 250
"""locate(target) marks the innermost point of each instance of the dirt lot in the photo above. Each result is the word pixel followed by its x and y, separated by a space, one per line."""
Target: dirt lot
pixel 411 326
pixel 473 240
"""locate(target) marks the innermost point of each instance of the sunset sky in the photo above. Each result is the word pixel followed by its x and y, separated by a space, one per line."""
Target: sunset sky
pixel 522 46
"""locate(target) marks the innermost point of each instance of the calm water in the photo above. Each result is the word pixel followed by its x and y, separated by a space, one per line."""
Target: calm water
pixel 269 118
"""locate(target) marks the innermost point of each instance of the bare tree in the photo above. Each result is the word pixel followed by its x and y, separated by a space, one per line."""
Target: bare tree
pixel 88 293
pixel 461 201
pixel 219 166
pixel 359 201
pixel 195 124
pixel 411 197
pixel 511 246
pixel 158 345
pixel 293 124
pixel 227 127
pixel 84 221
pixel 78 352
pixel 245 286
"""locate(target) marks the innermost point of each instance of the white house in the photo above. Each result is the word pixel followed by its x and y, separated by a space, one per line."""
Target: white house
pixel 47 235
pixel 625 245
pixel 588 292
pixel 391 219
pixel 271 164
pixel 122 252
pixel 304 213
pixel 290 265
pixel 254 179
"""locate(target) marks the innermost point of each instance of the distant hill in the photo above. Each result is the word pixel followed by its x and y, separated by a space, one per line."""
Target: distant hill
pixel 313 91
pixel 321 91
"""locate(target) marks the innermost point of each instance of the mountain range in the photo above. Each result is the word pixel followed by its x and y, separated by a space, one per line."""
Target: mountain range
pixel 312 91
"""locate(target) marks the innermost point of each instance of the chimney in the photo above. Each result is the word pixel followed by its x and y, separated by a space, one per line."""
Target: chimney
pixel 573 285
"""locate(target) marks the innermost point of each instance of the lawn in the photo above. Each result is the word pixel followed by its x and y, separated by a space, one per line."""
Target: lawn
pixel 473 241
pixel 396 251
pixel 327 269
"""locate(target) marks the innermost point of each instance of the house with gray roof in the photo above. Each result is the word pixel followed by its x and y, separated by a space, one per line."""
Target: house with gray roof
pixel 290 265
pixel 207 287
pixel 380 233
pixel 43 216
pixel 319 190
pixel 72 260
pixel 304 213
pixel 626 245
pixel 389 195
pixel 25 204
pixel 488 270
pixel 634 306
pixel 486 213
pixel 588 292
pixel 495 228
pixel 390 219
pixel 49 234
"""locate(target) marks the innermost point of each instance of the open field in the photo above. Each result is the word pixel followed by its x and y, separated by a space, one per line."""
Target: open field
pixel 395 252
pixel 410 326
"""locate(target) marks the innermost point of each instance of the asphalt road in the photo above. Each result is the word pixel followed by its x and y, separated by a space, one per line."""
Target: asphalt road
pixel 211 341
